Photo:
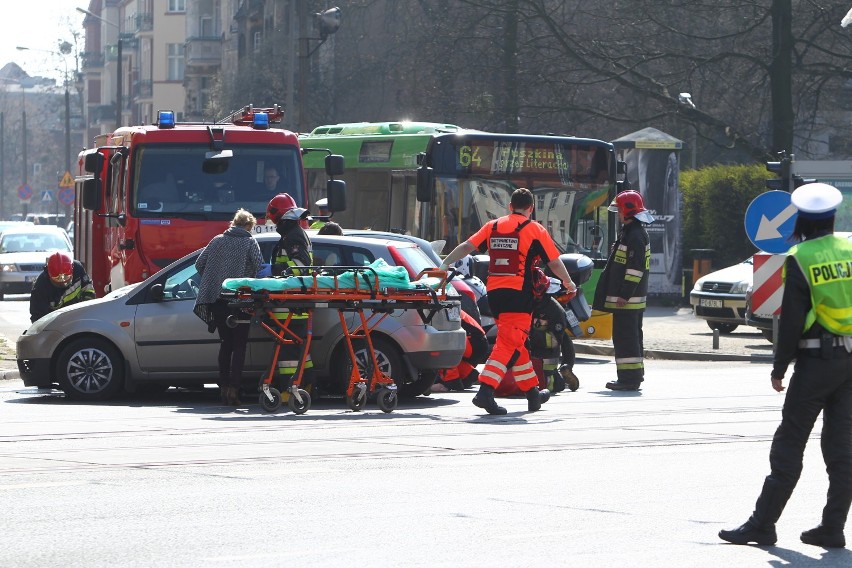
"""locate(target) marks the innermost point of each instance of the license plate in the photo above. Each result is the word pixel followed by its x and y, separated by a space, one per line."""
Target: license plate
pixel 710 303
pixel 454 314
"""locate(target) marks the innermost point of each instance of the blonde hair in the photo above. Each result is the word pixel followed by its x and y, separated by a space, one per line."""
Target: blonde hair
pixel 243 219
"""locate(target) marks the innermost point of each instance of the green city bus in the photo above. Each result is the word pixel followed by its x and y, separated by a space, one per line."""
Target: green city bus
pixel 467 177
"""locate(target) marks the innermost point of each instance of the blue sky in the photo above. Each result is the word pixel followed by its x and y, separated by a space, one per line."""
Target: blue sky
pixel 40 24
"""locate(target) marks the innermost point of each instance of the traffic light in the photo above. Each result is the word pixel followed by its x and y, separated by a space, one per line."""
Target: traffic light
pixel 784 170
pixel 799 180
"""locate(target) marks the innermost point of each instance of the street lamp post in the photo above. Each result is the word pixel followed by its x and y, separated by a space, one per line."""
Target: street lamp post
pixel 686 100
pixel 118 87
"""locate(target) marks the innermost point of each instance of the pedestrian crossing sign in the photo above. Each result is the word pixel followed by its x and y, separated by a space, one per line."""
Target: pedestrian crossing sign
pixel 67 180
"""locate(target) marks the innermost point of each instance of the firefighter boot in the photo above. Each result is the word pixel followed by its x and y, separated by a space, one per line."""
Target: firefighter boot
pixel 485 399
pixel 571 380
pixel 536 397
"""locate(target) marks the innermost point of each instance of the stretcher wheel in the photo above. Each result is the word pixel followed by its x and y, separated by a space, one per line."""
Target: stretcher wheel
pixel 270 405
pixel 357 399
pixel 387 400
pixel 300 407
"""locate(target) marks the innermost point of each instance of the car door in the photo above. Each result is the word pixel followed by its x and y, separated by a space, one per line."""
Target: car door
pixel 171 341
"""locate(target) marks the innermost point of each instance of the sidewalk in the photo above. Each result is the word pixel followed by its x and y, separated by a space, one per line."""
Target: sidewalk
pixel 675 333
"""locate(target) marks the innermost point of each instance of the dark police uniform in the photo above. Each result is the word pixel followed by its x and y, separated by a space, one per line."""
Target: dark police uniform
pixel 815 331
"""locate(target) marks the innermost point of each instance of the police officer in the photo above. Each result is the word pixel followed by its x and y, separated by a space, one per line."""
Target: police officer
pixel 323 216
pixel 815 331
pixel 63 282
pixel 293 250
pixel 514 242
pixel 623 287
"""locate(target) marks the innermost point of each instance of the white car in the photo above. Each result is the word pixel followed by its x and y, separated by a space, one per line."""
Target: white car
pixel 720 297
pixel 23 252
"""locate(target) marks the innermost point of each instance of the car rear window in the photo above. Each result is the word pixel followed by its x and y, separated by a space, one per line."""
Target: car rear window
pixel 414 259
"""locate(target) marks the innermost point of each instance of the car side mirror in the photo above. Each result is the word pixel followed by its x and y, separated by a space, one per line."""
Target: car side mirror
pixel 156 292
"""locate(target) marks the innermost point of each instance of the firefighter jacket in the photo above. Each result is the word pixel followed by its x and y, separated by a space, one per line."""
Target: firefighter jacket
pixel 808 306
pixel 47 296
pixel 626 272
pixel 291 251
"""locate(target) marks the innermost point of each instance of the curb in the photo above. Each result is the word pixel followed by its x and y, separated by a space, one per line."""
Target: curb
pixel 607 351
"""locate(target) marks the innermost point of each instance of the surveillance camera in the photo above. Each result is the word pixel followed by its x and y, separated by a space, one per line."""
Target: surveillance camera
pixel 685 99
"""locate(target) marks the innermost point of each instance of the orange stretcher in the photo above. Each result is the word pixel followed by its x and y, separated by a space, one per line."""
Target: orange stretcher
pixel 367 299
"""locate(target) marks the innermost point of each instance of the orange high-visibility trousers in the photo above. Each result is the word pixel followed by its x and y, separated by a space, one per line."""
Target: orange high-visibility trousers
pixel 510 351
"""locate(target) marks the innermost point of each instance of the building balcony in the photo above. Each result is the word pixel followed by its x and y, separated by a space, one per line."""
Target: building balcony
pixel 143 90
pixel 93 59
pixel 203 51
pixel 144 23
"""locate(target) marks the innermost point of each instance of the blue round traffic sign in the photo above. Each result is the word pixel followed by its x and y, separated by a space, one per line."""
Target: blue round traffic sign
pixel 770 220
pixel 66 195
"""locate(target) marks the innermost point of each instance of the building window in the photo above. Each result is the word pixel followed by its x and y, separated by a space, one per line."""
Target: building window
pixel 258 40
pixel 175 61
pixel 177 5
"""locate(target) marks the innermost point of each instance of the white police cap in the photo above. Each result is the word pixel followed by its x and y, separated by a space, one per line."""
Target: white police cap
pixel 322 203
pixel 816 200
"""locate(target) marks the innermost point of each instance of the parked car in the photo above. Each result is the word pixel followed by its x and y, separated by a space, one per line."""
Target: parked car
pixel 5 225
pixel 720 297
pixel 146 335
pixel 23 252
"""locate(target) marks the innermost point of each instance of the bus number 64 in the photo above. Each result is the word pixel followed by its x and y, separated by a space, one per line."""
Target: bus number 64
pixel 468 156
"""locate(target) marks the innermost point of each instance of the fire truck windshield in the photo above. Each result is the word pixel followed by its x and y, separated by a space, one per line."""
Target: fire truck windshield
pixel 168 180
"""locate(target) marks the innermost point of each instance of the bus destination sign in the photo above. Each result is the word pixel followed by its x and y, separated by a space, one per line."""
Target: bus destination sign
pixel 486 157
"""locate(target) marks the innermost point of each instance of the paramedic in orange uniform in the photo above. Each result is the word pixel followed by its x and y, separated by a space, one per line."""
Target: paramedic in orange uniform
pixel 514 242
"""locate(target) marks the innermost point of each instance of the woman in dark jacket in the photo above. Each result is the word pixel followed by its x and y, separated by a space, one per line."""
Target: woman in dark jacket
pixel 233 254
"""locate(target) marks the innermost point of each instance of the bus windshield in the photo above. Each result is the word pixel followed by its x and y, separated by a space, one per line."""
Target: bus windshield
pixel 168 180
pixel 571 181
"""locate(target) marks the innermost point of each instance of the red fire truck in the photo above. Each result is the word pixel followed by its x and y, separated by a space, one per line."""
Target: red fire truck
pixel 148 195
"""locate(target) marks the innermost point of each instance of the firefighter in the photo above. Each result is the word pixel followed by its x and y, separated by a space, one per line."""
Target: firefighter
pixel 292 251
pixel 323 216
pixel 63 282
pixel 623 288
pixel 513 242
pixel 816 331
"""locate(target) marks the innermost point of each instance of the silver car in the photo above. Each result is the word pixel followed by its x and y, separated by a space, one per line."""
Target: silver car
pixel 146 336
pixel 23 252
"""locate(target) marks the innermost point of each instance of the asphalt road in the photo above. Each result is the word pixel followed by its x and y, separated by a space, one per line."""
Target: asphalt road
pixel 594 479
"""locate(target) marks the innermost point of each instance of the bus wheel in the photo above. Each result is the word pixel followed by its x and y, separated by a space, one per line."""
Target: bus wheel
pixel 90 369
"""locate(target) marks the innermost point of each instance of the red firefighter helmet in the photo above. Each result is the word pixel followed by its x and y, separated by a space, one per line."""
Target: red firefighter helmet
pixel 630 204
pixel 540 283
pixel 60 268
pixel 278 206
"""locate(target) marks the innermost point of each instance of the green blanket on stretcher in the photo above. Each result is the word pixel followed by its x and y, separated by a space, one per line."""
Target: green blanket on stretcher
pixel 388 277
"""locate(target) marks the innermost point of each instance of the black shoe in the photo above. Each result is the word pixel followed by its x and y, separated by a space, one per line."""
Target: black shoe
pixel 749 533
pixel 824 537
pixel 622 386
pixel 454 385
pixel 484 399
pixel 536 397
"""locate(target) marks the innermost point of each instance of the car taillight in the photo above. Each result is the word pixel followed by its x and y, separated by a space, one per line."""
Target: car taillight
pixel 399 260
pixel 462 287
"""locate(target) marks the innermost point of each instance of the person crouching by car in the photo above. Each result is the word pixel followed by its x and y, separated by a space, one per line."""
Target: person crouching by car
pixel 63 282
pixel 233 254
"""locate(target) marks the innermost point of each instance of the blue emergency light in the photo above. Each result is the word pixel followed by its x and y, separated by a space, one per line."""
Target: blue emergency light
pixel 166 119
pixel 260 120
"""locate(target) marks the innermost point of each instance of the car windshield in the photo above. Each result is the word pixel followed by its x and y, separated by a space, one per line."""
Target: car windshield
pixel 33 242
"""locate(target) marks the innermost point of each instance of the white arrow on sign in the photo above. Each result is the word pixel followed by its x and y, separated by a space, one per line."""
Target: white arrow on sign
pixel 768 228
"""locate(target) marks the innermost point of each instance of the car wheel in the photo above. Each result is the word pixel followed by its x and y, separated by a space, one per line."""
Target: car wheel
pixel 90 369
pixel 723 328
pixel 422 385
pixel 387 356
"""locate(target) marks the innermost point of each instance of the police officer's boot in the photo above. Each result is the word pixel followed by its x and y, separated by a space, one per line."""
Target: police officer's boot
pixel 829 534
pixel 536 397
pixel 485 399
pixel 760 528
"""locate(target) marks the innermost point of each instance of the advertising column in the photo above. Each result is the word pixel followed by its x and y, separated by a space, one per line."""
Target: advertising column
pixel 653 169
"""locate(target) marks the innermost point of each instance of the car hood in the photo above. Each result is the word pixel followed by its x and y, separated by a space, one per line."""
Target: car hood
pixel 25 257
pixel 732 274
pixel 108 307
